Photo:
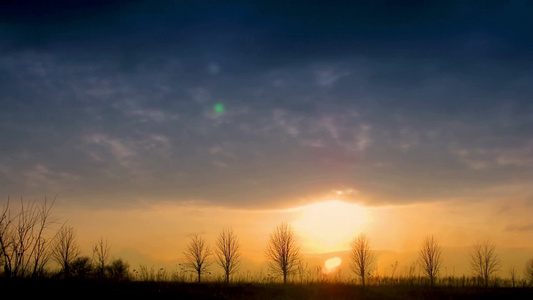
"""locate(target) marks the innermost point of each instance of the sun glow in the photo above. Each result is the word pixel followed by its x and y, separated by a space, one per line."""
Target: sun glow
pixel 331 225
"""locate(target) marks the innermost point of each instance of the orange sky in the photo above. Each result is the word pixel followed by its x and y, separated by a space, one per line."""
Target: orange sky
pixel 155 235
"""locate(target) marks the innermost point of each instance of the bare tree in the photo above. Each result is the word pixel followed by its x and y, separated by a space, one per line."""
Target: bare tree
pixel 65 249
pixel 528 271
pixel 512 275
pixel 228 252
pixel 283 251
pixel 101 256
pixel 5 239
pixel 429 258
pixel 23 242
pixel 484 260
pixel 196 255
pixel 362 256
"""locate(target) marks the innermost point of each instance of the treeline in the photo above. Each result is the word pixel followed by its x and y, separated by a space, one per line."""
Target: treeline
pixel 29 243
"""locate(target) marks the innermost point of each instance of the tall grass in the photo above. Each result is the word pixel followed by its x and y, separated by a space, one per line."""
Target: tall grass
pixel 316 276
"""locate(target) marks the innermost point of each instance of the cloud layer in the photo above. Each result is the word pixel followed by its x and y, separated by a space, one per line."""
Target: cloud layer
pixel 114 102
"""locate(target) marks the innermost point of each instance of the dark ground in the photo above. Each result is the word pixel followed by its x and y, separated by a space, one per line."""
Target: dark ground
pixel 75 289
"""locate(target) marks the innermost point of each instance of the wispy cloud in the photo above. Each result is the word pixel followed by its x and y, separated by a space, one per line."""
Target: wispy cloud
pixel 520 228
pixel 42 176
pixel 328 77
pixel 154 115
pixel 122 152
pixel 498 155
pixel 127 152
pixel 398 121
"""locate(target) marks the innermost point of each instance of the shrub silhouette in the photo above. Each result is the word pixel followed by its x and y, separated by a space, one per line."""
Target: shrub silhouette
pixel 118 270
pixel 81 268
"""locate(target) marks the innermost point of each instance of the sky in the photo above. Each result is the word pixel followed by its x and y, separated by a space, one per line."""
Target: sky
pixel 155 121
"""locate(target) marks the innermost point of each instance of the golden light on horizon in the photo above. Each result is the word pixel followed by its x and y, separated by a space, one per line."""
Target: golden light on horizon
pixel 330 225
pixel 331 265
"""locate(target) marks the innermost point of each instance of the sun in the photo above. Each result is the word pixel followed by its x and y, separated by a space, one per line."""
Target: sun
pixel 331 225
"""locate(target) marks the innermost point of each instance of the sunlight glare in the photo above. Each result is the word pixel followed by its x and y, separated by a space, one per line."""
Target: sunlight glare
pixel 331 225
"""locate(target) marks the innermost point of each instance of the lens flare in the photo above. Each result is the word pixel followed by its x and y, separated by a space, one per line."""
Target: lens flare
pixel 331 265
pixel 219 108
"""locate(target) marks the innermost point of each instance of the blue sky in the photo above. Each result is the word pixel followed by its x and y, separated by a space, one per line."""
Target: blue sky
pixel 110 103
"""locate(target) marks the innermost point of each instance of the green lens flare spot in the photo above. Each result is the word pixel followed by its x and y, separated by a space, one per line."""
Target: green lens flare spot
pixel 219 108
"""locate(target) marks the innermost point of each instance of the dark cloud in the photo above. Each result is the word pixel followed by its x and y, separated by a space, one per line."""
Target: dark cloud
pixel 395 103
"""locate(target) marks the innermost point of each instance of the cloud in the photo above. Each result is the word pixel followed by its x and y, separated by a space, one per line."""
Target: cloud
pixel 123 153
pixel 128 152
pixel 132 109
pixel 327 78
pixel 520 157
pixel 497 156
pixel 520 228
pixel 394 112
pixel 200 95
pixel 288 124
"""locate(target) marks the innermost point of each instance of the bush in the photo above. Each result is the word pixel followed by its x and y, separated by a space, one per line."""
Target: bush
pixel 118 270
pixel 81 267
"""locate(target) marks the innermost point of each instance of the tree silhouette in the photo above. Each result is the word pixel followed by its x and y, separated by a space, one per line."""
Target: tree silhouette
pixel 361 256
pixel 283 251
pixel 528 271
pixel 227 252
pixel 100 256
pixel 512 276
pixel 24 248
pixel 65 249
pixel 429 257
pixel 484 260
pixel 196 255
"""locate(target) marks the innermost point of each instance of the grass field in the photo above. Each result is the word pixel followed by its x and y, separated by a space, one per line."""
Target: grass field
pixel 87 289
